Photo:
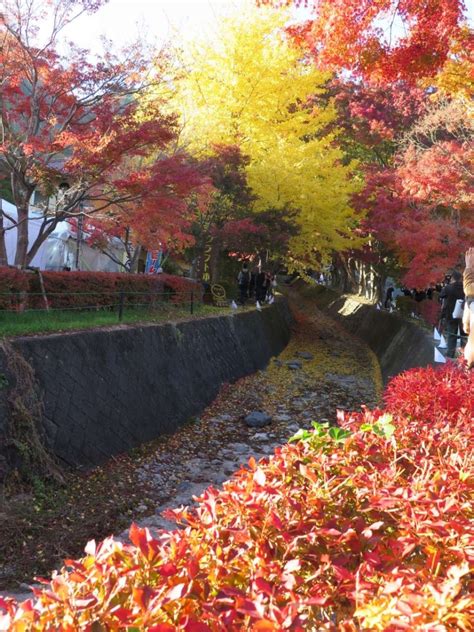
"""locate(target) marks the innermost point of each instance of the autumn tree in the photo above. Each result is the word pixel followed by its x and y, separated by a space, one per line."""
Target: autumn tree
pixel 70 127
pixel 414 146
pixel 230 198
pixel 400 107
pixel 250 87
pixel 436 177
pixel 262 238
pixel 385 41
pixel 161 217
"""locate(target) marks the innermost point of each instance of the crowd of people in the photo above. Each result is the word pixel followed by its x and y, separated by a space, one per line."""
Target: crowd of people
pixel 456 296
pixel 255 285
pixel 430 293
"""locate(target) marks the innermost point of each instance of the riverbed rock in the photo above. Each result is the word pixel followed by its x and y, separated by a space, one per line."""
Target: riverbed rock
pixel 258 419
pixel 294 364
pixel 225 417
pixel 306 355
pixel 283 417
pixel 261 436
pixel 238 448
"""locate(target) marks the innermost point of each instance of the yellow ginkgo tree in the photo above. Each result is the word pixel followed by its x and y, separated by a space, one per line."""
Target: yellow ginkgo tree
pixel 250 86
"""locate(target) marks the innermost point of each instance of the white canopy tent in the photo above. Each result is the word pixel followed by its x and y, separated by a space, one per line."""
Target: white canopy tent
pixel 59 249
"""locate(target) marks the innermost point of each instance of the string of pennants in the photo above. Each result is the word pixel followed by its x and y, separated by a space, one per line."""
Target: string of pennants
pixel 258 306
pixel 438 338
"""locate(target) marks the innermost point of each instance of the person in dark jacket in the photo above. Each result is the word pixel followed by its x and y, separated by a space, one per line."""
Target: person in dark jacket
pixel 449 295
pixel 419 295
pixel 243 281
pixel 260 286
pixel 389 297
pixel 468 317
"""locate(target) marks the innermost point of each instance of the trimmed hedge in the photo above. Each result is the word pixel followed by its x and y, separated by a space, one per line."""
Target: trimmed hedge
pixel 430 311
pixel 66 290
pixel 366 526
pixel 406 305
pixel 13 285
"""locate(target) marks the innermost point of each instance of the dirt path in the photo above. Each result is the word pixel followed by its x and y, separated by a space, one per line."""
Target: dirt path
pixel 320 370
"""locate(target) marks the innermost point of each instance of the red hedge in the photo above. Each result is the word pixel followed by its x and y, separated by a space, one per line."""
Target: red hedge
pixel 430 311
pixel 429 395
pixel 13 285
pixel 92 289
pixel 363 527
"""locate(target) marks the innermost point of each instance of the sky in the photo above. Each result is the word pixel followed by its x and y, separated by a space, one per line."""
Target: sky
pixel 160 20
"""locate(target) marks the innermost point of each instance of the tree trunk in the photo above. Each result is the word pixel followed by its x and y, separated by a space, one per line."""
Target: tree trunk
pixel 214 263
pixel 22 192
pixel 38 242
pixel 381 278
pixel 3 247
pixel 348 270
pixel 21 253
pixel 135 258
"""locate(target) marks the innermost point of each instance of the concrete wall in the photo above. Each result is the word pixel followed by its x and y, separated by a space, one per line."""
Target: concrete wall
pixel 398 344
pixel 106 391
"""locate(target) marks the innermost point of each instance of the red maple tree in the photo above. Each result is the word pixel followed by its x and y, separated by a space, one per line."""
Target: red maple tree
pixel 415 153
pixel 226 222
pixel 71 131
pixel 385 40
pixel 160 218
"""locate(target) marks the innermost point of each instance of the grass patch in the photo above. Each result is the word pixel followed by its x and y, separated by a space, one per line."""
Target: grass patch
pixel 40 321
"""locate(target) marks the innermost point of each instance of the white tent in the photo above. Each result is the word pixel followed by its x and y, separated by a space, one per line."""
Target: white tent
pixel 59 249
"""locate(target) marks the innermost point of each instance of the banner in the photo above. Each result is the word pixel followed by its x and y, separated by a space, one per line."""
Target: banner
pixel 206 272
pixel 153 261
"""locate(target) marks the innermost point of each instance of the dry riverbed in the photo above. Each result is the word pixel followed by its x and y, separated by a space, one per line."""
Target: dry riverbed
pixel 320 371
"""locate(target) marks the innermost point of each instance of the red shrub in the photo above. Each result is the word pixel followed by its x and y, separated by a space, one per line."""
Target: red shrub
pixel 430 311
pixel 74 289
pixel 66 290
pixel 367 526
pixel 432 394
pixel 13 284
pixel 181 288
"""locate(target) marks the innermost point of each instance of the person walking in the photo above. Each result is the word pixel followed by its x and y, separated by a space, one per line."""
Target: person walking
pixel 449 295
pixel 389 297
pixel 243 280
pixel 268 286
pixel 468 315
pixel 260 286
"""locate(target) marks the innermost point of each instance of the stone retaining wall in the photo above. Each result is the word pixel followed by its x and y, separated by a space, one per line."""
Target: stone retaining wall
pixel 399 344
pixel 106 391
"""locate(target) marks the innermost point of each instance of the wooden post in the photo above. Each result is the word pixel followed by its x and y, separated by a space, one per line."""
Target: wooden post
pixel 43 291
